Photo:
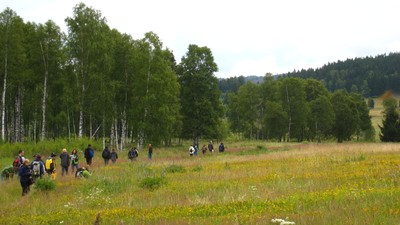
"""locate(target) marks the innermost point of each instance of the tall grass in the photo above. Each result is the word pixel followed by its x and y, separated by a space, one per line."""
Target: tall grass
pixel 307 184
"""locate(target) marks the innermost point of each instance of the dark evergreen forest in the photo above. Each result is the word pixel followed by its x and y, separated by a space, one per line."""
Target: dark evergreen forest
pixel 369 76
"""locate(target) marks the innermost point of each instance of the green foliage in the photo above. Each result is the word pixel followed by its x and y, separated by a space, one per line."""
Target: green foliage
pixel 152 183
pixel 175 169
pixel 371 103
pixel 370 76
pixel 45 184
pixel 200 96
pixel 390 129
pixel 197 168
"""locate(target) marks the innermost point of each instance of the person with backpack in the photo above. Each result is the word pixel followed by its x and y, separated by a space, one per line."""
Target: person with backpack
pixel 106 155
pixel 210 147
pixel 133 154
pixel 74 160
pixel 114 156
pixel 196 150
pixel 221 147
pixel 50 166
pixel 89 154
pixel 25 177
pixel 64 156
pixel 19 160
pixel 38 167
pixel 191 150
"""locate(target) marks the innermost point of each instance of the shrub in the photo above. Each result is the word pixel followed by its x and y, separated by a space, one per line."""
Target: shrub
pixel 175 169
pixel 152 183
pixel 197 169
pixel 45 184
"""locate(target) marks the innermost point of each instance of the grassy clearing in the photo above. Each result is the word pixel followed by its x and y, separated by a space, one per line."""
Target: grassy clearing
pixel 249 184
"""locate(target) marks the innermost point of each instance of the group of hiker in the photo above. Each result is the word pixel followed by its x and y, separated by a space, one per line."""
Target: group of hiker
pixel 29 172
pixel 194 149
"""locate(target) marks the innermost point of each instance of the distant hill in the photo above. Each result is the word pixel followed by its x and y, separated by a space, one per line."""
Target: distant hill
pixel 370 76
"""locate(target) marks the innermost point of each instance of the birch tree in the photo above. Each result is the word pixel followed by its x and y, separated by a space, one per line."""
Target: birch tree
pixel 86 31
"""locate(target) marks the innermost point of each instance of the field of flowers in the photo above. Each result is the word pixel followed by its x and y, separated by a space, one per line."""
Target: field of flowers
pixel 257 183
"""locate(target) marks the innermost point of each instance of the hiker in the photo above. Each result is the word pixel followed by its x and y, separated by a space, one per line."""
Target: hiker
pixel 89 154
pixel 74 160
pixel 106 155
pixel 210 147
pixel 38 167
pixel 19 160
pixel 64 156
pixel 7 173
pixel 133 154
pixel 191 150
pixel 83 172
pixel 25 175
pixel 196 150
pixel 204 149
pixel 221 147
pixel 150 153
pixel 50 166
pixel 114 156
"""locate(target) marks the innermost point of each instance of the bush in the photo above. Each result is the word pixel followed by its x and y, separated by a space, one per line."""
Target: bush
pixel 175 169
pixel 152 183
pixel 45 184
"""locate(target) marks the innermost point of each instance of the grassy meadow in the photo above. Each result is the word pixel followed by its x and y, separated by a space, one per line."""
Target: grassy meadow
pixel 251 183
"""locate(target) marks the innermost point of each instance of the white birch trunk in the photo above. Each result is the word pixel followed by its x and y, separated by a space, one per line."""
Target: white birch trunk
pixel 44 96
pixel 123 130
pixel 80 128
pixel 3 97
pixel 112 135
pixel 116 134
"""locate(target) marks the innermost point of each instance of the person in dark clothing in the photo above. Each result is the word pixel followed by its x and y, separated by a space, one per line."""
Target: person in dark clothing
pixel 150 153
pixel 89 153
pixel 25 175
pixel 64 156
pixel 221 147
pixel 114 156
pixel 210 147
pixel 204 149
pixel 106 155
pixel 133 154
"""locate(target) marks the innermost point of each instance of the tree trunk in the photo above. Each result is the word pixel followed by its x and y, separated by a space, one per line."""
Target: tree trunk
pixel 289 114
pixel 17 116
pixel 123 129
pixel 44 97
pixel 3 97
pixel 80 127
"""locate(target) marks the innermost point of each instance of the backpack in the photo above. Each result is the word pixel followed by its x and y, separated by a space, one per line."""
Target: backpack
pixel 49 165
pixel 17 163
pixel 36 168
pixel 91 153
pixel 106 154
pixel 131 154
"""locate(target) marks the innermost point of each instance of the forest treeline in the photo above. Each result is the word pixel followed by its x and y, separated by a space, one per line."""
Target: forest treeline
pixel 369 76
pixel 97 82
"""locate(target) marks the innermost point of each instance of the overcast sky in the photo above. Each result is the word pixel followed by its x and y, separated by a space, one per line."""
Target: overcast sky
pixel 246 37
